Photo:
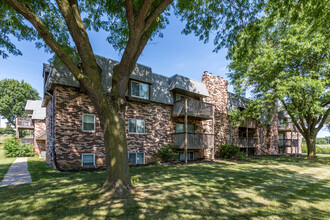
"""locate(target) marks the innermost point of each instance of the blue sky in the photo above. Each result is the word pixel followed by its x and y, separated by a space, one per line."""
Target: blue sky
pixel 175 53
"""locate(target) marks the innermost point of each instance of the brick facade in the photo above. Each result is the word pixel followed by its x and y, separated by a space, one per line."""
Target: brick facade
pixel 39 129
pixel 70 141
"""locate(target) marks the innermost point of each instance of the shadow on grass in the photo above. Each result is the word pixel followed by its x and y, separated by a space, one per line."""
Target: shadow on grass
pixel 209 190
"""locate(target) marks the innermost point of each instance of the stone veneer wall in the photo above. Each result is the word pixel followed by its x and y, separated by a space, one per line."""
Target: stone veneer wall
pixel 217 88
pixel 49 153
pixel 39 128
pixel 71 141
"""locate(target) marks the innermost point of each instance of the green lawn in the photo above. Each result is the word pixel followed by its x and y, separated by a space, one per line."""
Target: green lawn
pixel 264 187
pixel 4 162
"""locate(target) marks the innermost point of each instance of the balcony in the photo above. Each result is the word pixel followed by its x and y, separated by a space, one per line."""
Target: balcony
pixel 24 123
pixel 288 143
pixel 248 124
pixel 286 127
pixel 195 108
pixel 26 140
pixel 195 141
pixel 247 142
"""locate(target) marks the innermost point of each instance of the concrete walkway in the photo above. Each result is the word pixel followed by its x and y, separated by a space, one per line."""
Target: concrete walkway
pixel 18 173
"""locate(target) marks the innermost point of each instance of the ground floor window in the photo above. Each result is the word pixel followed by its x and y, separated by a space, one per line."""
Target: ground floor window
pixel 190 154
pixel 136 158
pixel 88 160
pixel 282 150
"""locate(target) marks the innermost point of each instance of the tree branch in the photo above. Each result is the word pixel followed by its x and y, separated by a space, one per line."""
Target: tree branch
pixel 70 12
pixel 46 36
pixel 158 10
pixel 130 15
pixel 323 120
pixel 144 11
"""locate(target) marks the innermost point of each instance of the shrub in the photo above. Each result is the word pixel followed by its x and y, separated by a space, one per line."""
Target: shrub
pixel 319 150
pixel 166 153
pixel 227 151
pixel 7 130
pixel 14 148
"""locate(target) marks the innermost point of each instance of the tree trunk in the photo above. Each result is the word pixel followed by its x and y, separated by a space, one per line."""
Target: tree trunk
pixel 311 149
pixel 114 130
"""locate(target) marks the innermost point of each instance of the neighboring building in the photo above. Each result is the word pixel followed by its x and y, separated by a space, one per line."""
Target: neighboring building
pixel 35 122
pixel 157 109
pixel 3 122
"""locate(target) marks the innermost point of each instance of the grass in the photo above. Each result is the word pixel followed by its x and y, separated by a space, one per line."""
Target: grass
pixel 263 187
pixel 4 162
pixel 320 149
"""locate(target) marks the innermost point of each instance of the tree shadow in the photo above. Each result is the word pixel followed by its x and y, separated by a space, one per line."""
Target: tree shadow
pixel 209 190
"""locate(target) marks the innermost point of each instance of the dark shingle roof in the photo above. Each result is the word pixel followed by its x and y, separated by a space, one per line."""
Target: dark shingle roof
pixel 160 86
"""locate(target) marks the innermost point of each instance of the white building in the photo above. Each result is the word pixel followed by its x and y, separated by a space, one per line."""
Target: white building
pixel 3 122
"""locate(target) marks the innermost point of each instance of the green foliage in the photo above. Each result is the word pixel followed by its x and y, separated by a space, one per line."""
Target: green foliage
pixel 242 155
pixel 7 130
pixel 166 153
pixel 13 97
pixel 321 141
pixel 14 148
pixel 288 62
pixel 135 179
pixel 319 150
pixel 228 151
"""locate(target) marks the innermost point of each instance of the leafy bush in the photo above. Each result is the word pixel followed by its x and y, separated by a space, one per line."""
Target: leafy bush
pixel 166 153
pixel 14 148
pixel 228 151
pixel 319 150
pixel 7 130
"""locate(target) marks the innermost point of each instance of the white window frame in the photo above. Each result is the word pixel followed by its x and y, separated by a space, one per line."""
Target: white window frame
pixel 140 97
pixel 136 125
pixel 144 157
pixel 87 154
pixel 82 124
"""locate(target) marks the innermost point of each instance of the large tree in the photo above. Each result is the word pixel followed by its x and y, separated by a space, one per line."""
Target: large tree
pixel 288 61
pixel 13 97
pixel 62 27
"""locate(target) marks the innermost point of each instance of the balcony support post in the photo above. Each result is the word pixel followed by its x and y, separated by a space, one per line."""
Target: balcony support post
pixel 185 131
pixel 17 132
pixel 291 143
pixel 247 138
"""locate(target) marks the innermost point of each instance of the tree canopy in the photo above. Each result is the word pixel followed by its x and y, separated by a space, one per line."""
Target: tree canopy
pixel 13 97
pixel 288 61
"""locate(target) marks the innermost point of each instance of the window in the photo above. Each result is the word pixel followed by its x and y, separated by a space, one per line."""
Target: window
pixel 136 158
pixel 190 154
pixel 88 122
pixel 179 128
pixel 88 160
pixel 140 90
pixel 178 97
pixel 136 126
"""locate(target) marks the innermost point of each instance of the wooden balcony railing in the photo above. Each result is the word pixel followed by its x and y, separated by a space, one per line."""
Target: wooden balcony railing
pixel 248 124
pixel 288 143
pixel 195 141
pixel 286 127
pixel 23 122
pixel 248 142
pixel 26 140
pixel 195 108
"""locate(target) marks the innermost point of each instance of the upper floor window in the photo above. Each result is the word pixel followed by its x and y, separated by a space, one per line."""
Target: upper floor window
pixel 136 126
pixel 139 90
pixel 88 122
